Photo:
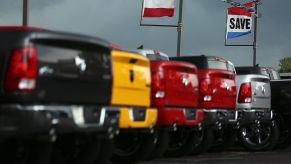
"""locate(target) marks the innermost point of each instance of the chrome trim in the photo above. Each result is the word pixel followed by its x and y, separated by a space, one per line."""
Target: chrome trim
pixel 210 110
pixel 131 115
pixel 102 116
pixel 60 108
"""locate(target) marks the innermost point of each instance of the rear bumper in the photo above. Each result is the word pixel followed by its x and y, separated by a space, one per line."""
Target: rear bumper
pixel 179 117
pixel 21 120
pixel 218 117
pixel 247 116
pixel 137 118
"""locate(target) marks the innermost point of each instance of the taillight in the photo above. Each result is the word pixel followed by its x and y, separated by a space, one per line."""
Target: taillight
pixel 205 90
pixel 22 70
pixel 245 93
pixel 158 85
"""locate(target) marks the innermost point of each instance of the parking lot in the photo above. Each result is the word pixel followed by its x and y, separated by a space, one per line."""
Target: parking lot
pixel 234 156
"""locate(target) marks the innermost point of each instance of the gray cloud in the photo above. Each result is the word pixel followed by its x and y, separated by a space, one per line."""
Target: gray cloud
pixel 14 5
pixel 204 26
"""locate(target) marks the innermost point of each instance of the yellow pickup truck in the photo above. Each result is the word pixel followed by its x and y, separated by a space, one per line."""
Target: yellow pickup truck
pixel 131 90
pixel 131 94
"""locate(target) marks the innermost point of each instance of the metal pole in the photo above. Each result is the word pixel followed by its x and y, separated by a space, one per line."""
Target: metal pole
pixel 25 12
pixel 179 28
pixel 255 35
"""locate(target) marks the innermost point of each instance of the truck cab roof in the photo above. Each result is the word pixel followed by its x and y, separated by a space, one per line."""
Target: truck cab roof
pixel 267 71
pixel 207 62
pixel 285 75
pixel 28 32
pixel 152 54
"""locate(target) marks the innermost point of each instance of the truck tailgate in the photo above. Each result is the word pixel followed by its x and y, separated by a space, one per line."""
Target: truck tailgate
pixel 72 74
pixel 132 80
pixel 223 88
pixel 261 93
pixel 181 84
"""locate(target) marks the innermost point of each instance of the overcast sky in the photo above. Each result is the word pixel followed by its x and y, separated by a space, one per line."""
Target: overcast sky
pixel 204 26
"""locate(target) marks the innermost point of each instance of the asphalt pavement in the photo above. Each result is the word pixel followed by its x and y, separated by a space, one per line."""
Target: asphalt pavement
pixel 235 156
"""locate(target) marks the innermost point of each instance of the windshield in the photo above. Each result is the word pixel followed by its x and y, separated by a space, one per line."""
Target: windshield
pixel 157 57
pixel 215 64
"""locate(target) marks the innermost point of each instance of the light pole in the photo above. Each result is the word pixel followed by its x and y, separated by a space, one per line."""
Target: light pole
pixel 255 35
pixel 180 28
pixel 25 14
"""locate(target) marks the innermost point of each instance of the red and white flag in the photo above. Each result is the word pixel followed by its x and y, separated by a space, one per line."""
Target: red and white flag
pixel 158 8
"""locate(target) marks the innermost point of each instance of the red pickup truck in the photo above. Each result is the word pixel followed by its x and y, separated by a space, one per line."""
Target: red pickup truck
pixel 217 98
pixel 174 93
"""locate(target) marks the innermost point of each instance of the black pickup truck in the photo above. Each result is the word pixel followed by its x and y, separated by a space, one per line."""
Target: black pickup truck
pixel 55 92
pixel 281 103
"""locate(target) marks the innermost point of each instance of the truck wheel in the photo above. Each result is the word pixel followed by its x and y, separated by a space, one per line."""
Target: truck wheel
pixel 285 132
pixel 40 152
pixel 25 152
pixel 105 151
pixel 181 143
pixel 132 147
pixel 204 141
pixel 284 140
pixel 224 139
pixel 162 139
pixel 260 137
pixel 75 149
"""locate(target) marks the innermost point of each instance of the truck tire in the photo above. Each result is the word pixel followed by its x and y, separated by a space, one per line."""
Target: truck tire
pixel 40 152
pixel 162 139
pixel 259 138
pixel 132 147
pixel 105 151
pixel 76 149
pixel 224 139
pixel 284 140
pixel 25 152
pixel 285 132
pixel 181 143
pixel 204 141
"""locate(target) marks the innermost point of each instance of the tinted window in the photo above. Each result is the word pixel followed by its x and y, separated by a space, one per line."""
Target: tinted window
pixel 251 70
pixel 71 62
pixel 275 74
pixel 285 76
pixel 242 72
pixel 214 64
pixel 156 57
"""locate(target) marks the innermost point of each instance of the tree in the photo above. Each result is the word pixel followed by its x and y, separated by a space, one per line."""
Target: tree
pixel 285 64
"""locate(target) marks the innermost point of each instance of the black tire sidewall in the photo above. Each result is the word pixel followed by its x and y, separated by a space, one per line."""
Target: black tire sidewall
pixel 146 144
pixel 268 145
pixel 160 147
pixel 228 138
pixel 205 144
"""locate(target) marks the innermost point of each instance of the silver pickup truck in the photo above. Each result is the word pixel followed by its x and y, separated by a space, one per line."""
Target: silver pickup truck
pixel 258 131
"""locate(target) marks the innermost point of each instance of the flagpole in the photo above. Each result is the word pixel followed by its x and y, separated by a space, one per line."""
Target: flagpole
pixel 255 36
pixel 25 12
pixel 179 28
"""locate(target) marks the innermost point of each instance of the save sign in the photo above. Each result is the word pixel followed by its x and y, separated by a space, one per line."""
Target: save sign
pixel 239 21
